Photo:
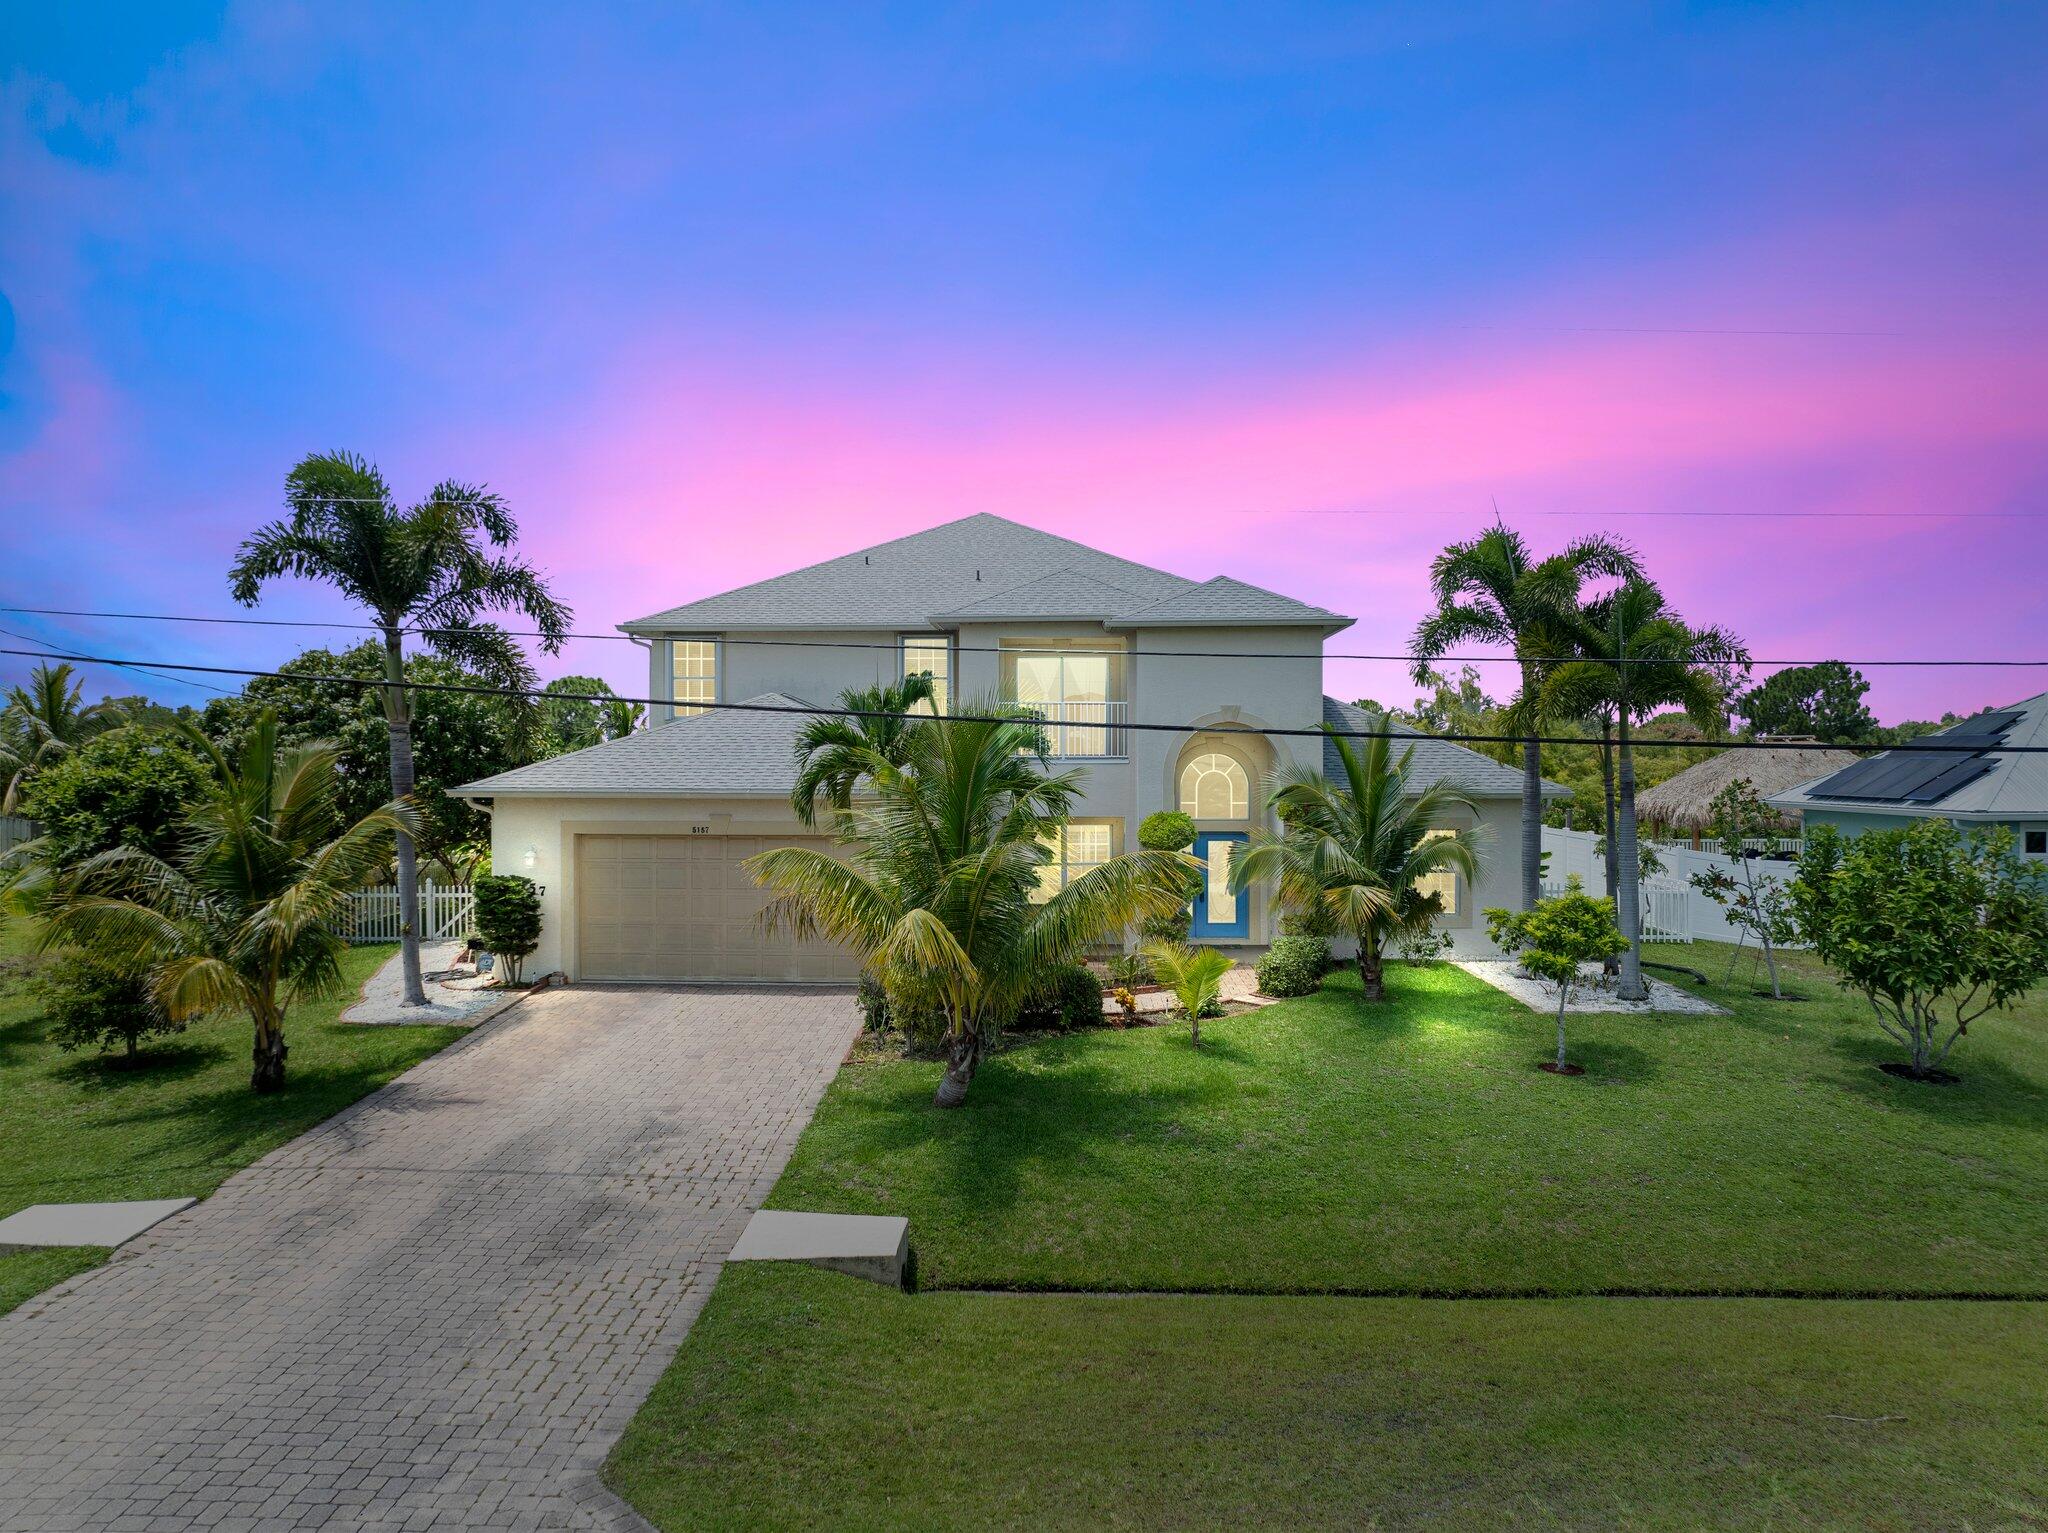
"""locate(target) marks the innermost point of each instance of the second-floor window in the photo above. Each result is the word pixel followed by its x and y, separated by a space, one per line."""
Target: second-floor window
pixel 932 654
pixel 1078 692
pixel 695 673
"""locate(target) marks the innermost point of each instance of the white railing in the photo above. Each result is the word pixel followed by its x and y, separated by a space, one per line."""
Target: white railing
pixel 445 911
pixel 1667 911
pixel 1782 846
pixel 1091 729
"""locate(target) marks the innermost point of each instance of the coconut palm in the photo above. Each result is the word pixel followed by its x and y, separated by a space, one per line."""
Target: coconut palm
pixel 941 892
pixel 429 571
pixel 247 916
pixel 1637 656
pixel 1194 975
pixel 1354 850
pixel 1491 589
pixel 834 751
pixel 44 719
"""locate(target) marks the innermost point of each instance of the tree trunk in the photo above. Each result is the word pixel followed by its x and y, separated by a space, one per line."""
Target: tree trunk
pixel 1563 994
pixel 1371 972
pixel 1532 824
pixel 1195 1025
pixel 963 1057
pixel 1629 904
pixel 1610 968
pixel 398 718
pixel 1763 934
pixel 268 1054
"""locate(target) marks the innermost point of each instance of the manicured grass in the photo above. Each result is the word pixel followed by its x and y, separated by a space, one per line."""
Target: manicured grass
pixel 75 1129
pixel 806 1399
pixel 1323 1145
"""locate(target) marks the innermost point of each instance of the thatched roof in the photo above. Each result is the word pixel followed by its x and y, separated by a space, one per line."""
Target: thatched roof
pixel 1685 802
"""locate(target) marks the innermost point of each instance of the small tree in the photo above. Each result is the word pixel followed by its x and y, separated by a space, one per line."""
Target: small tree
pixel 1168 830
pixel 508 918
pixel 1554 939
pixel 1763 908
pixel 1195 976
pixel 90 1004
pixel 1935 928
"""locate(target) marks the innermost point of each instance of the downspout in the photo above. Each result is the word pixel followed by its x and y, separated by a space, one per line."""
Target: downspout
pixel 648 645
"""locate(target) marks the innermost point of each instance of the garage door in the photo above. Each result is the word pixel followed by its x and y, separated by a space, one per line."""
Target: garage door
pixel 682 908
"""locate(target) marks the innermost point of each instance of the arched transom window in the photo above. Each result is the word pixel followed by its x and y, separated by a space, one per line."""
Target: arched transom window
pixel 1214 787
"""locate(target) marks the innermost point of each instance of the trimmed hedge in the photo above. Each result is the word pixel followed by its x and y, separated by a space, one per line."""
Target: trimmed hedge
pixel 1070 996
pixel 1294 966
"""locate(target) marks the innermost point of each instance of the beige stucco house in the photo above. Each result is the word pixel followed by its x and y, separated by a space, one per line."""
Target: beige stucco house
pixel 638 843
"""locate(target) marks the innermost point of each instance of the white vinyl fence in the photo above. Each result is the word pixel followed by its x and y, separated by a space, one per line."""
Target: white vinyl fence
pixel 1673 911
pixel 444 913
pixel 14 830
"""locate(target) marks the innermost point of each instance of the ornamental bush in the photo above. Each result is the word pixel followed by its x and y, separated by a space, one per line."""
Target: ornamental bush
pixel 508 918
pixel 90 1004
pixel 129 787
pixel 1294 966
pixel 1167 831
pixel 1069 997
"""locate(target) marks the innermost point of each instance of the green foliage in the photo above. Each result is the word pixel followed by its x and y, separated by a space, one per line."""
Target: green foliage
pixel 457 737
pixel 1762 907
pixel 1425 946
pixel 1195 976
pixel 1166 830
pixel 836 752
pixel 1933 927
pixel 1294 965
pixel 43 721
pixel 873 1002
pixel 1563 932
pixel 569 721
pixel 1356 848
pixel 1069 996
pixel 1129 969
pixel 128 787
pixel 508 918
pixel 89 1004
pixel 1825 701
pixel 1314 919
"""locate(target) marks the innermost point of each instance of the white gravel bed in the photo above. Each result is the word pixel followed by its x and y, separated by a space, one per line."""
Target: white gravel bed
pixel 464 998
pixel 1586 996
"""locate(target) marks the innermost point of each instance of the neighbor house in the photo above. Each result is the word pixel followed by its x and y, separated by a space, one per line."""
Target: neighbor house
pixel 638 843
pixel 1986 782
pixel 1685 805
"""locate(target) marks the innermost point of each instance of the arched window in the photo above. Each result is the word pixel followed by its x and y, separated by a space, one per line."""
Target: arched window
pixel 1214 787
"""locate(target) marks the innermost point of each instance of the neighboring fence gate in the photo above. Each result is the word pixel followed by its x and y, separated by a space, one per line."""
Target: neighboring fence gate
pixel 444 913
pixel 1673 911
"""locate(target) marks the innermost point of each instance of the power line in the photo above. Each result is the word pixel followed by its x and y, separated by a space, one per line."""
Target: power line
pixel 2023 512
pixel 183 681
pixel 988 649
pixel 1105 725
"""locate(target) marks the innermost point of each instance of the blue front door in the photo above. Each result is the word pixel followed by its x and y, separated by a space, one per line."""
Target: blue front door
pixel 1218 912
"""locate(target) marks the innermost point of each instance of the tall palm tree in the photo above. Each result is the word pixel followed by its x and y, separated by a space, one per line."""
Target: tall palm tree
pixel 246 917
pixel 1355 850
pixel 1638 656
pixel 428 571
pixel 1491 589
pixel 834 751
pixel 44 719
pixel 941 895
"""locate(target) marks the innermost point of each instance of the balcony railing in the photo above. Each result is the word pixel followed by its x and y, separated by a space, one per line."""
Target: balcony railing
pixel 1085 729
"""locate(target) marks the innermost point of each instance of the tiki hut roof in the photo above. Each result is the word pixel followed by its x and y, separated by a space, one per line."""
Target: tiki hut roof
pixel 1685 802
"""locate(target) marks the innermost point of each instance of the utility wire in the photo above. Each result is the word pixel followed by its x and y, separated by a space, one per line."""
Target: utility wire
pixel 183 681
pixel 1106 725
pixel 984 649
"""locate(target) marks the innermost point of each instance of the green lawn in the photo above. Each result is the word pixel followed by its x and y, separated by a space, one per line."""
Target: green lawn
pixel 1322 1148
pixel 73 1130
pixel 1326 1147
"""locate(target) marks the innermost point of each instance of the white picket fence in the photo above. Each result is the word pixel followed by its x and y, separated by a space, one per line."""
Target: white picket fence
pixel 445 911
pixel 1673 911
pixel 14 830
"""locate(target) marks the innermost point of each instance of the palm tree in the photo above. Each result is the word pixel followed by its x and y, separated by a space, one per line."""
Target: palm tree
pixel 833 751
pixel 1194 975
pixel 1492 590
pixel 41 721
pixel 246 917
pixel 941 895
pixel 1355 850
pixel 428 571
pixel 1637 656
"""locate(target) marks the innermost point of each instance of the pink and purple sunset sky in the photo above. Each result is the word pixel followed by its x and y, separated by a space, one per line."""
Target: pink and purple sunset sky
pixel 1291 293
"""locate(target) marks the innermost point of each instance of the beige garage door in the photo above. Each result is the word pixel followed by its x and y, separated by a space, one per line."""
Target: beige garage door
pixel 682 908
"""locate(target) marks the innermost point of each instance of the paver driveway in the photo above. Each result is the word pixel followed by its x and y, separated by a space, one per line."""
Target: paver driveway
pixel 440 1307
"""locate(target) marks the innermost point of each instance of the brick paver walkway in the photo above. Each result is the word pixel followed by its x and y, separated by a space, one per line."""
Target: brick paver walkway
pixel 439 1308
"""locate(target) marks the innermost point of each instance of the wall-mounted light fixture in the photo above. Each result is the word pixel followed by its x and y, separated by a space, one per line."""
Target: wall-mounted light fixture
pixel 532 857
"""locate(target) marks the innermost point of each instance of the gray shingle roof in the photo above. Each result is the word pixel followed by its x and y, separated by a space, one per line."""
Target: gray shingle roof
pixel 2016 787
pixel 972 562
pixel 1435 760
pixel 1224 601
pixel 1064 593
pixel 727 753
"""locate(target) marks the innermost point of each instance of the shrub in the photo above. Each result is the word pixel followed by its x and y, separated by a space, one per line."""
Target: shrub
pixel 1294 966
pixel 1070 996
pixel 1195 975
pixel 1310 921
pixel 89 1004
pixel 1425 945
pixel 1129 969
pixel 1167 831
pixel 1933 927
pixel 873 1002
pixel 508 918
pixel 125 788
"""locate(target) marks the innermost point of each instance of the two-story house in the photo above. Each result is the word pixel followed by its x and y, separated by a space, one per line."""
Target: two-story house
pixel 638 843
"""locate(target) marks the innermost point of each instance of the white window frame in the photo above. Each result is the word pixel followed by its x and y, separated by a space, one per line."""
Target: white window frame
pixel 694 707
pixel 1064 868
pixel 1190 805
pixel 1443 882
pixel 925 644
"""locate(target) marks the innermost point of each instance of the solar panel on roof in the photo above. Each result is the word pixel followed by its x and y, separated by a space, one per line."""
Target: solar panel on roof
pixel 1899 777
